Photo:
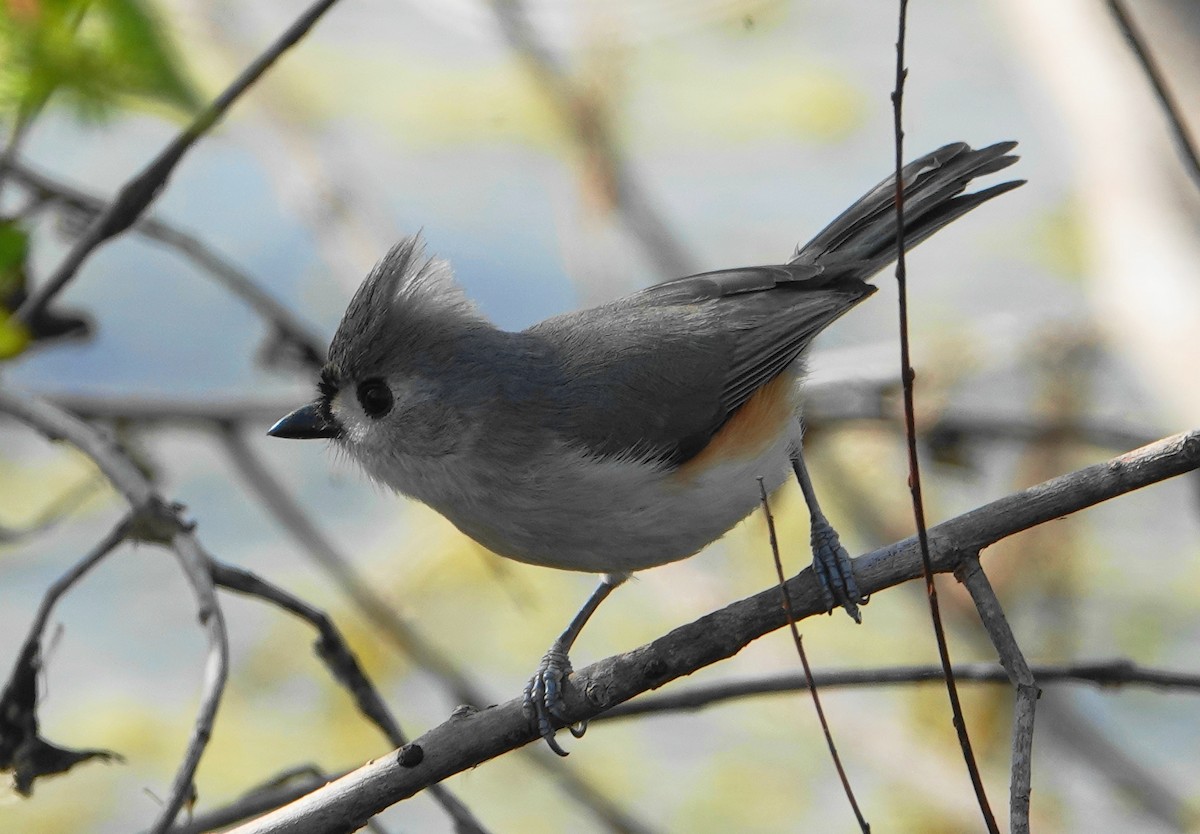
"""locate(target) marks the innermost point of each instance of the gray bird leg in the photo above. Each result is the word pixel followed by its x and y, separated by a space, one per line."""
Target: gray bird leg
pixel 543 693
pixel 831 562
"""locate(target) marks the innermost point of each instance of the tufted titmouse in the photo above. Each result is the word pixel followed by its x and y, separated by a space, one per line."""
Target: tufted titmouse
pixel 623 436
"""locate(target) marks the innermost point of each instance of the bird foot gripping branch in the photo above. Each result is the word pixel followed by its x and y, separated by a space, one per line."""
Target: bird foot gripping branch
pixel 623 436
pixel 834 570
pixel 544 698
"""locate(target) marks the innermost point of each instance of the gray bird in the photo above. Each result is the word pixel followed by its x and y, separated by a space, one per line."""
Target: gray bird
pixel 623 436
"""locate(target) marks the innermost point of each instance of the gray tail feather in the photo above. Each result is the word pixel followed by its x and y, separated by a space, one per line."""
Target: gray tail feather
pixel 863 238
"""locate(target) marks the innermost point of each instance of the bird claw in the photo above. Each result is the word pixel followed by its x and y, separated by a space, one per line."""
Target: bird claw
pixel 835 573
pixel 544 701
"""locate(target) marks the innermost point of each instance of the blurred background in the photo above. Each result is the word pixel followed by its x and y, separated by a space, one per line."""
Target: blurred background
pixel 560 153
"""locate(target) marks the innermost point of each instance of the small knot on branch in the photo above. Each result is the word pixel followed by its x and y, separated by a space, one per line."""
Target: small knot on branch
pixel 158 522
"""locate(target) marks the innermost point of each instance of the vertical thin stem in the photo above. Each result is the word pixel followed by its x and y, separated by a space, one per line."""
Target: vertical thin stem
pixel 907 376
pixel 1179 130
pixel 808 675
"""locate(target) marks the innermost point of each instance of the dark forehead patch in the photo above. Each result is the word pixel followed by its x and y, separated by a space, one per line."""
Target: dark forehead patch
pixel 330 381
pixel 328 385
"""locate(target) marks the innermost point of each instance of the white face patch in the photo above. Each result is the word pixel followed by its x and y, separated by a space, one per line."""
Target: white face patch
pixel 419 425
pixel 349 415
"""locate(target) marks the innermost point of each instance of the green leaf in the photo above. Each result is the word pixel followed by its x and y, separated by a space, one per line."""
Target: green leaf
pixel 14 336
pixel 95 54
pixel 14 247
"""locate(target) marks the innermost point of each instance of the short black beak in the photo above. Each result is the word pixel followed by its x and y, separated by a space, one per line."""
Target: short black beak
pixel 305 423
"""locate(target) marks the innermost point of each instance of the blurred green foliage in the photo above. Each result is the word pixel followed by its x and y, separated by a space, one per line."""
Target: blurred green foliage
pixel 93 54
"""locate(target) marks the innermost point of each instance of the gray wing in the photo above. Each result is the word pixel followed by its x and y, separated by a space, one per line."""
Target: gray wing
pixel 656 375
pixel 771 313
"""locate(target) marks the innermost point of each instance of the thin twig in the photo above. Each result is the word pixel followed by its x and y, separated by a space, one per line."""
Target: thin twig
pixel 158 522
pixel 137 194
pixel 1013 660
pixel 216 674
pixel 467 740
pixel 1179 130
pixel 978 428
pixel 808 675
pixel 1107 674
pixel 907 376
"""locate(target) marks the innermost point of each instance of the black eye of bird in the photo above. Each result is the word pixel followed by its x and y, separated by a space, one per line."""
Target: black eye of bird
pixel 375 398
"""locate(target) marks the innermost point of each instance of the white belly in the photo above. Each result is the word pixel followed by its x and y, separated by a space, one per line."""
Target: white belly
pixel 575 512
